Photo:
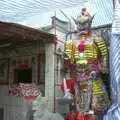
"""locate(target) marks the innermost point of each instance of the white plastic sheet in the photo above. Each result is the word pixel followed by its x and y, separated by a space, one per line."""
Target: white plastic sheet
pixel 114 111
pixel 46 115
pixel 42 113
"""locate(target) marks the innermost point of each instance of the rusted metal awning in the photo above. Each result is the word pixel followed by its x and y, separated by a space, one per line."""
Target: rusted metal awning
pixel 15 33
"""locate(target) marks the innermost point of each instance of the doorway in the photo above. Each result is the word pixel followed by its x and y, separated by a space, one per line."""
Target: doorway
pixel 23 75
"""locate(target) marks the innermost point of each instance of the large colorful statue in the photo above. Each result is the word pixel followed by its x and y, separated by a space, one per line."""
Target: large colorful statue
pixel 87 58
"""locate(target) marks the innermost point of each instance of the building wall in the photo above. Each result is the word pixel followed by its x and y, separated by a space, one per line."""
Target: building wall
pixel 16 108
pixel 13 58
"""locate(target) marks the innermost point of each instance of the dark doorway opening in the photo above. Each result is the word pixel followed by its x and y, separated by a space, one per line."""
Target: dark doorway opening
pixel 23 75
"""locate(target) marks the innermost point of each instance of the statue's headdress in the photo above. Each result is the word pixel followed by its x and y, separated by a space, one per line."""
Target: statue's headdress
pixel 84 20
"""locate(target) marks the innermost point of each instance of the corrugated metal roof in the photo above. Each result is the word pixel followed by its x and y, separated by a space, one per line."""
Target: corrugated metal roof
pixel 17 10
pixel 103 10
pixel 10 32
pixel 21 10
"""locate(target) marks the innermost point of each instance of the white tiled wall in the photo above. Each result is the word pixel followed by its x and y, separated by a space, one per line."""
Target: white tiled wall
pixel 15 108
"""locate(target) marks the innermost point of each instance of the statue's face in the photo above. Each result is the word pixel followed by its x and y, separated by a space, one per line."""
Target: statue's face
pixel 83 28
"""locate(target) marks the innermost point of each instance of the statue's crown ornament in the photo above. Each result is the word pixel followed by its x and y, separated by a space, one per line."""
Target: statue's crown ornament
pixel 83 20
